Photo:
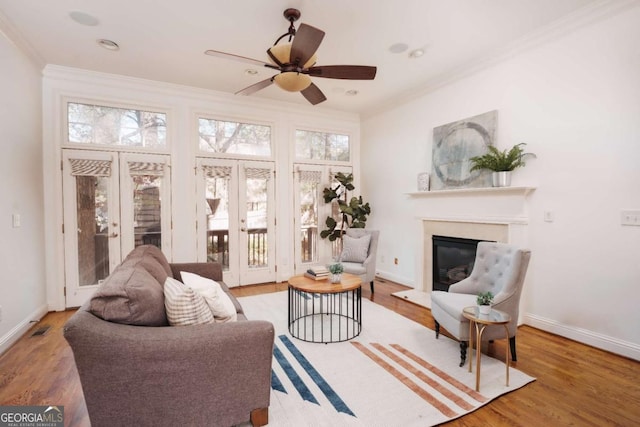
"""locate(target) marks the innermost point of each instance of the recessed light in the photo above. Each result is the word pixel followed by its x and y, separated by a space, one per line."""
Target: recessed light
pixel 351 92
pixel 84 18
pixel 416 53
pixel 250 72
pixel 398 47
pixel 108 44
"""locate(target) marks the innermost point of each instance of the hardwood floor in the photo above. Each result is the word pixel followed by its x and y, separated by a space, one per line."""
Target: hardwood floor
pixel 576 384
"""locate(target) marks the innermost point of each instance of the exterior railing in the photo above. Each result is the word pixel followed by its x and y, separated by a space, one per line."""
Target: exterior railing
pixel 257 245
pixel 308 243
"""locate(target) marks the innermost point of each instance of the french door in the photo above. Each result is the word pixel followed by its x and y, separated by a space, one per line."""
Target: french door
pixel 311 213
pixel 236 218
pixel 113 202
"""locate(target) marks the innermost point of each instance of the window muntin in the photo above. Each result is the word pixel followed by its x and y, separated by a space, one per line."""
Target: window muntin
pixel 121 127
pixel 312 145
pixel 218 136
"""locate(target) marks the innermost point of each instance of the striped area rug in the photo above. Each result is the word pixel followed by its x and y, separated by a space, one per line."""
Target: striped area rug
pixel 395 373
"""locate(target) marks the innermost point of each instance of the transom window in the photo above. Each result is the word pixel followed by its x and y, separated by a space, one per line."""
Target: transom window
pixel 312 145
pixel 124 127
pixel 217 136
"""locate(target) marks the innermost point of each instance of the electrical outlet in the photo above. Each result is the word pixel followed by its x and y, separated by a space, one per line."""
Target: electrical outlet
pixel 630 217
pixel 549 216
pixel 16 220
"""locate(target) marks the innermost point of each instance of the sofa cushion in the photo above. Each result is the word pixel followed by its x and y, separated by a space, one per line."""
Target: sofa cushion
pixel 355 249
pixel 184 305
pixel 130 295
pixel 221 305
pixel 146 252
pixel 133 293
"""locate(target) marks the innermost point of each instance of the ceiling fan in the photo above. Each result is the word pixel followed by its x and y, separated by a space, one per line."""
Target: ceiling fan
pixel 296 61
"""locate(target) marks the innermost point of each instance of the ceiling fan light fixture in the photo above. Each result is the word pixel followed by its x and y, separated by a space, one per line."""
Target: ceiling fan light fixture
pixel 292 81
pixel 283 52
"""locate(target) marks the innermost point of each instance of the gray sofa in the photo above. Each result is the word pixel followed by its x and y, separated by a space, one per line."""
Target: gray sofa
pixel 135 369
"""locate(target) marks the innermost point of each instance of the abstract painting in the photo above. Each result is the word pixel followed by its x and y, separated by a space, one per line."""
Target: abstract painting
pixel 454 144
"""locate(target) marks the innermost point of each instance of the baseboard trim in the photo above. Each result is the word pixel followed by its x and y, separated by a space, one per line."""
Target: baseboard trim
pixel 604 342
pixel 16 333
pixel 395 278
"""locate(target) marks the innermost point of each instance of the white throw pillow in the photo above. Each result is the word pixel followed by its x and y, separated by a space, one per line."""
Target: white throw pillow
pixel 218 301
pixel 355 249
pixel 184 306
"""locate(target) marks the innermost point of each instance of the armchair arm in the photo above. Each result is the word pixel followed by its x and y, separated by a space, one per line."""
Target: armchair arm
pixel 466 286
pixel 171 375
pixel 210 270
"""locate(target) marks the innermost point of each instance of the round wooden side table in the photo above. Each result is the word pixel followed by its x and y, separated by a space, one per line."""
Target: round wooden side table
pixel 324 312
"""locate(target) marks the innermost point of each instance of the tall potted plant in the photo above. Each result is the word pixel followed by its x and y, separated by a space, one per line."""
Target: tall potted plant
pixel 501 163
pixel 353 211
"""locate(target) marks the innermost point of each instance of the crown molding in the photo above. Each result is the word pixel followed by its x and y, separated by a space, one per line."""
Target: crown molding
pixel 588 15
pixel 75 76
pixel 15 36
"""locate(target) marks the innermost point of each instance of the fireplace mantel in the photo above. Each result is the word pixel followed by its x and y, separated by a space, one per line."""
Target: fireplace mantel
pixel 491 191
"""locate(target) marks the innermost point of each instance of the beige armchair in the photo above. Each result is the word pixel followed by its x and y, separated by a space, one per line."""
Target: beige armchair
pixel 498 268
pixel 359 258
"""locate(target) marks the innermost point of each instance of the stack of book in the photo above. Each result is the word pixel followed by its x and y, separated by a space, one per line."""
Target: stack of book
pixel 317 272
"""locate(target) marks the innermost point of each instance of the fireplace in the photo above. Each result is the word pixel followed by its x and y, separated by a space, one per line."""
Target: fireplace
pixel 483 214
pixel 453 260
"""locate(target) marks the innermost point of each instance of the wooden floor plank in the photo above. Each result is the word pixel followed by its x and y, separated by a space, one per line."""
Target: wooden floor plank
pixel 576 384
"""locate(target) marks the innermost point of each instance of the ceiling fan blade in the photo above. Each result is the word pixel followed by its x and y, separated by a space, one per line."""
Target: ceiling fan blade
pixel 255 87
pixel 346 72
pixel 305 43
pixel 313 94
pixel 225 55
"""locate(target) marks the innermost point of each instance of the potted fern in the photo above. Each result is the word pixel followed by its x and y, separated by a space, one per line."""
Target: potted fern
pixel 501 163
pixel 484 300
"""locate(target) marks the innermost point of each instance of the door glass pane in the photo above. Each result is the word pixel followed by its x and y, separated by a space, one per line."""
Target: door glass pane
pixel 257 222
pixel 146 210
pixel 336 247
pixel 217 208
pixel 309 221
pixel 93 229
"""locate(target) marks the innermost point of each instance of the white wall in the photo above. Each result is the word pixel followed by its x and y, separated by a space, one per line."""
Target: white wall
pixel 182 104
pixel 575 101
pixel 22 288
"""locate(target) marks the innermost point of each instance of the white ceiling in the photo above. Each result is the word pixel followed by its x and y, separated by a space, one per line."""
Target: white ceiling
pixel 166 40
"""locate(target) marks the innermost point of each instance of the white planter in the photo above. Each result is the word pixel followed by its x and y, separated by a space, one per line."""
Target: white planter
pixel 484 309
pixel 335 278
pixel 501 179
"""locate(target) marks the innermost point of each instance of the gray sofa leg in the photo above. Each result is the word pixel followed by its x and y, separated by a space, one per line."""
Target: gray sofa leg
pixel 260 417
pixel 372 286
pixel 437 329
